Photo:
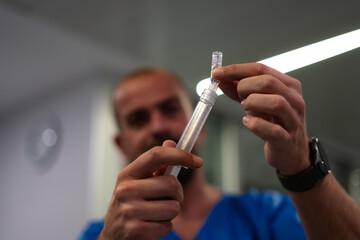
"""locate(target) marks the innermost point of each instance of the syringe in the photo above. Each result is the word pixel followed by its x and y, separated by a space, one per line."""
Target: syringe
pixel 199 116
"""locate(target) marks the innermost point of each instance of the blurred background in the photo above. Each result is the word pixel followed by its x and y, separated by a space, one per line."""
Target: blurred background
pixel 60 59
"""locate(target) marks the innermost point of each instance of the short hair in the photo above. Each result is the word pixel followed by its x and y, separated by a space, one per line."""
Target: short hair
pixel 151 70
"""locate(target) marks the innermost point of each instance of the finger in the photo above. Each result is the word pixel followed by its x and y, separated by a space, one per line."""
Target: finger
pixel 157 230
pixel 147 230
pixel 149 162
pixel 157 210
pixel 162 170
pixel 266 130
pixel 162 187
pixel 229 88
pixel 240 71
pixel 272 105
pixel 239 90
pixel 266 117
pixel 261 84
pixel 265 84
pixel 268 84
pixel 169 143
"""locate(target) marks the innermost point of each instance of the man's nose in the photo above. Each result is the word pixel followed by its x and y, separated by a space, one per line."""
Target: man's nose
pixel 159 123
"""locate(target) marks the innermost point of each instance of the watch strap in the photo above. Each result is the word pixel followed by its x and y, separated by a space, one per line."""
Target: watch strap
pixel 308 178
pixel 302 181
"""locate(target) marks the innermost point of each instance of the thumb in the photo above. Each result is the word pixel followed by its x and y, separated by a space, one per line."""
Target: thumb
pixel 161 171
pixel 169 143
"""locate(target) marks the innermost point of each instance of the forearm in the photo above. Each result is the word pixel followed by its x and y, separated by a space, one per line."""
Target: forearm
pixel 327 212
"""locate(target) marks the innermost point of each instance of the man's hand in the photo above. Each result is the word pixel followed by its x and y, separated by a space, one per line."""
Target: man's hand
pixel 275 111
pixel 144 202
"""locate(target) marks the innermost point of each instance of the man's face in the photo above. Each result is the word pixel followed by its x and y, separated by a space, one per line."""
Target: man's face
pixel 150 109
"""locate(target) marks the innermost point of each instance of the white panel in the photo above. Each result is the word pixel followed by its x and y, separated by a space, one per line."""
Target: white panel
pixel 105 160
pixel 230 159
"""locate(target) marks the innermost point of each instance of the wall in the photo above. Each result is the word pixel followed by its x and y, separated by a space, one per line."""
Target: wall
pixel 51 76
pixel 46 203
pixel 55 198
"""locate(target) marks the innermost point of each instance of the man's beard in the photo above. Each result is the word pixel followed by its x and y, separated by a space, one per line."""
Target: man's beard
pixel 185 174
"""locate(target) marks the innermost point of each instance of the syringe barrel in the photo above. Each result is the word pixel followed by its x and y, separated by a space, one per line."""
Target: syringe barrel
pixel 199 116
pixel 197 120
pixel 194 126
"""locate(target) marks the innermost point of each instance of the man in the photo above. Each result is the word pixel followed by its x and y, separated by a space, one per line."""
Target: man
pixel 151 106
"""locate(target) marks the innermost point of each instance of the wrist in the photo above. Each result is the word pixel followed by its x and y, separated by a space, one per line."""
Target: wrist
pixel 299 168
pixel 298 165
pixel 306 179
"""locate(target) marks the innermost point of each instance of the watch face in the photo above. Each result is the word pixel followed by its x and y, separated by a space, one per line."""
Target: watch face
pixel 318 156
pixel 314 151
pixel 323 157
pixel 43 142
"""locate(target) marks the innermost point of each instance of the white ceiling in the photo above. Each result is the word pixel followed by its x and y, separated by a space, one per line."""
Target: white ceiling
pixel 180 35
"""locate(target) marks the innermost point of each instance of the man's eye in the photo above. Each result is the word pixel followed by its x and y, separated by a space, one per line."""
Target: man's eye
pixel 171 110
pixel 137 119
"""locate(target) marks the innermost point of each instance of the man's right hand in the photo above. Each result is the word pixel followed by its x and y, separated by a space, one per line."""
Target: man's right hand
pixel 144 203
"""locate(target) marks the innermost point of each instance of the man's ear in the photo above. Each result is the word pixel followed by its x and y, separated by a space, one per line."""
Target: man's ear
pixel 120 145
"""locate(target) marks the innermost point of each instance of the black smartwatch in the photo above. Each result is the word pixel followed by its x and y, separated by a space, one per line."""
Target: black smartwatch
pixel 307 179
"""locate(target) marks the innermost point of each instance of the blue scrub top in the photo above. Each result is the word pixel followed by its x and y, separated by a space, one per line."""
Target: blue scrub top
pixel 266 215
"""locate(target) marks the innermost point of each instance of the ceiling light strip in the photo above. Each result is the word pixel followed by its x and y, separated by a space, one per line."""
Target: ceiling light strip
pixel 313 53
pixel 304 56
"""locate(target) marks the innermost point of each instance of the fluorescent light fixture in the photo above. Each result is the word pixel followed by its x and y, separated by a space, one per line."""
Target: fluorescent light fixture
pixel 304 56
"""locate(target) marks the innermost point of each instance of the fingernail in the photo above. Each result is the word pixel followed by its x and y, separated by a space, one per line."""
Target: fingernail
pixel 197 160
pixel 217 73
pixel 245 120
pixel 242 103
